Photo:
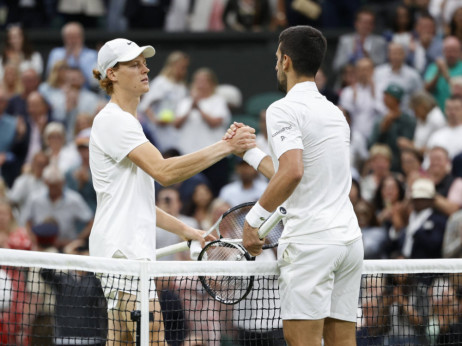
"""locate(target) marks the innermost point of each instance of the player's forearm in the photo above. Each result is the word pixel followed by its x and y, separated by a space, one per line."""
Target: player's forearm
pixel 170 223
pixel 266 167
pixel 280 187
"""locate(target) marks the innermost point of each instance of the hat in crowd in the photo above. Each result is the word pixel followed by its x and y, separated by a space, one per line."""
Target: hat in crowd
pixel 395 90
pixel 423 188
pixel 46 233
pixel 83 138
pixel 120 50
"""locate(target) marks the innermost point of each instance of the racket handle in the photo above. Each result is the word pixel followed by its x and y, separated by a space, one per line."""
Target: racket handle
pixel 195 249
pixel 172 249
pixel 272 221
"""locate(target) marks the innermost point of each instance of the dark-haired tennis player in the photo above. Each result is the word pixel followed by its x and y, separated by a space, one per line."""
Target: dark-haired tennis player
pixel 124 165
pixel 320 252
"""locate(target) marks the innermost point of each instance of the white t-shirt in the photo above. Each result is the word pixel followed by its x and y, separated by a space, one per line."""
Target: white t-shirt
pixel 125 217
pixel 195 133
pixel 319 210
pixel 448 138
pixel 435 121
pixel 234 193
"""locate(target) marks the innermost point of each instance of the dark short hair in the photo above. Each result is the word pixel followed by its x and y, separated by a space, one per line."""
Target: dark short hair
pixel 306 46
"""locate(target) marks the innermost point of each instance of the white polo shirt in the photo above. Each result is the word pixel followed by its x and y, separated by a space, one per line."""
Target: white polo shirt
pixel 319 210
pixel 125 217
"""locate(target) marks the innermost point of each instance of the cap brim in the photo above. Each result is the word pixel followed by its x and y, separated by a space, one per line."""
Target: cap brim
pixel 147 51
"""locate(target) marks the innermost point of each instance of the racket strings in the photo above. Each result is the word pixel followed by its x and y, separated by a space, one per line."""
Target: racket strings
pixel 232 225
pixel 227 289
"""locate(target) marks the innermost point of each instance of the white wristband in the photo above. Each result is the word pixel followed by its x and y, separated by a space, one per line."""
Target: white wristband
pixel 253 157
pixel 257 215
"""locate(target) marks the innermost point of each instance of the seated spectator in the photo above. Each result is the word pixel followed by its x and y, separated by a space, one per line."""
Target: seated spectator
pixel 17 105
pixel 455 25
pixel 158 105
pixel 396 72
pixel 355 192
pixel 444 326
pixel 375 237
pixel 198 206
pixel 11 235
pixel 389 200
pixel 247 188
pixel 11 80
pixel 87 12
pixel 439 73
pixel 380 157
pixel 448 197
pixel 429 120
pixel 411 161
pixel 394 125
pixel 30 181
pixel 52 89
pixel 362 43
pixel 202 119
pixel 360 99
pixel 78 178
pixel 18 51
pixel 168 199
pixel 65 206
pixel 323 87
pixel 13 142
pixel 38 118
pixel 77 100
pixel 74 52
pixel 54 138
pixel 426 46
pixel 448 137
pixel 423 236
pixel 401 28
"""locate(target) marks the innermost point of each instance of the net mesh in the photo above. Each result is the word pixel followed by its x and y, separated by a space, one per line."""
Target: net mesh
pixel 52 299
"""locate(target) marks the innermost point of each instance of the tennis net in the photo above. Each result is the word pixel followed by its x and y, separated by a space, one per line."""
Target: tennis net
pixel 56 299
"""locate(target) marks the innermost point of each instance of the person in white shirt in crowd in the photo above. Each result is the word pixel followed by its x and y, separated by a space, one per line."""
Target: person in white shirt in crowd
pixel 379 164
pixel 54 139
pixel 247 187
pixel 449 137
pixel 29 181
pixel 360 99
pixel 159 104
pixel 396 72
pixel 124 165
pixel 202 118
pixel 65 206
pixel 429 117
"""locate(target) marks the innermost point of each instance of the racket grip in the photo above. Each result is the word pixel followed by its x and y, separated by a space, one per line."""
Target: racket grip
pixel 172 249
pixel 195 249
pixel 272 221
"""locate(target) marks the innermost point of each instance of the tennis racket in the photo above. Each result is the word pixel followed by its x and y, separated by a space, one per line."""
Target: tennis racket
pixel 229 226
pixel 231 290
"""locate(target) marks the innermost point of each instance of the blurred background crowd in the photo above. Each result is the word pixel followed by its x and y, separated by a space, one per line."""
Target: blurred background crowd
pixel 395 71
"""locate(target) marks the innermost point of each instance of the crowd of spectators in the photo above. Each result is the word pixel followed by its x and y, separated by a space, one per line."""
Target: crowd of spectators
pixel 400 89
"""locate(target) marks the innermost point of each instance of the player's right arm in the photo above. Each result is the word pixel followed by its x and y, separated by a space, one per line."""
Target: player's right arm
pixel 176 169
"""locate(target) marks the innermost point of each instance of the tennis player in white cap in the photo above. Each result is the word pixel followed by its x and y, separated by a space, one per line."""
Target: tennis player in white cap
pixel 124 165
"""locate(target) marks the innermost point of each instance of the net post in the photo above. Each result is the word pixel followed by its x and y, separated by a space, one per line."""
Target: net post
pixel 144 301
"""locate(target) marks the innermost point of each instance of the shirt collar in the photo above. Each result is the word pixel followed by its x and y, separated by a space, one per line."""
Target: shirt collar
pixel 304 86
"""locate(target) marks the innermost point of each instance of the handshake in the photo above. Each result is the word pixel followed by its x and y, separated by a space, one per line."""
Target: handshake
pixel 240 137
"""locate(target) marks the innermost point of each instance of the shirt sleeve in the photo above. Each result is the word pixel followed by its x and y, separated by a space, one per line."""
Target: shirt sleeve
pixel 283 129
pixel 119 133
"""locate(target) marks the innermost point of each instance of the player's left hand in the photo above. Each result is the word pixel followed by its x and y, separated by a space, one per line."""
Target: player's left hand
pixel 232 130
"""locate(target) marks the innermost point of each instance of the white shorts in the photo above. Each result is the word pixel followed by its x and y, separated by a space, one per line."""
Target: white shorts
pixel 114 283
pixel 319 281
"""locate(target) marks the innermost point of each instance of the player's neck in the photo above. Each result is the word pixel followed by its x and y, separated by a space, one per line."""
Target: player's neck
pixel 128 103
pixel 294 79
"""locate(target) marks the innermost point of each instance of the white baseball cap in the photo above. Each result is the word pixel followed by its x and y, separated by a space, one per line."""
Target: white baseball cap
pixel 120 50
pixel 423 188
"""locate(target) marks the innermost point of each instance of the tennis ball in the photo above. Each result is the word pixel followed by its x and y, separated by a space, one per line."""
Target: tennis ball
pixel 166 115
